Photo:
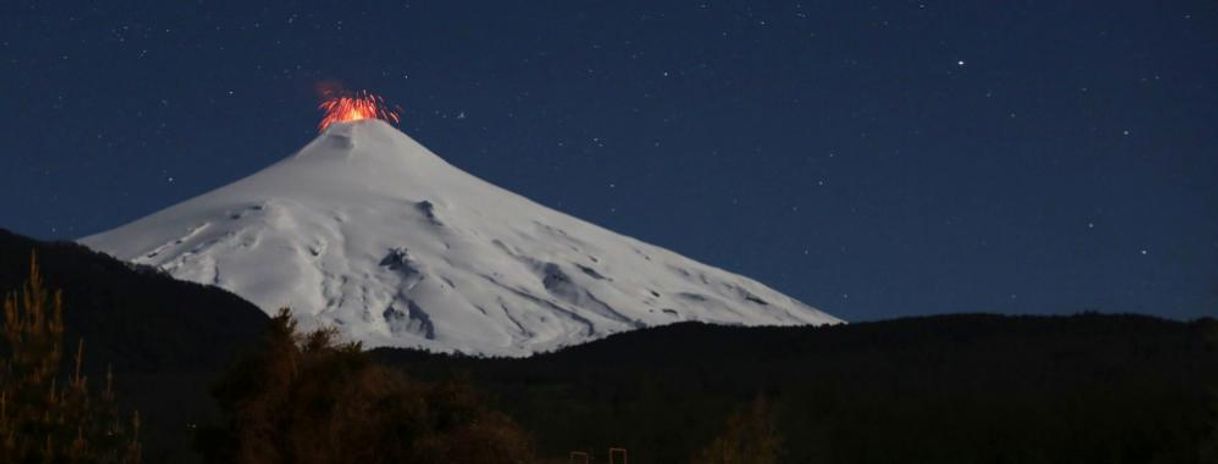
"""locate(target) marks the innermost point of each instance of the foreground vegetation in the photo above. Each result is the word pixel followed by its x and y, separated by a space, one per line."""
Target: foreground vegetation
pixel 308 398
pixel 47 417
pixel 212 377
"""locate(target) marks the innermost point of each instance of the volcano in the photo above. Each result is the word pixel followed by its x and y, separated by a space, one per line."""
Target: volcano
pixel 367 231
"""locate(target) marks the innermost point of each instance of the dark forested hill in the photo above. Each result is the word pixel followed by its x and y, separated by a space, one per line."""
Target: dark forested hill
pixel 1089 388
pixel 167 340
pixel 961 388
pixel 133 317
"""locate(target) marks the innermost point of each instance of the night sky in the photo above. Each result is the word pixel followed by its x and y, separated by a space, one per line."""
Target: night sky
pixel 873 159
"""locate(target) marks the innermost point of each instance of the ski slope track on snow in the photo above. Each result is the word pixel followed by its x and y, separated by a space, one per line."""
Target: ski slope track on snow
pixel 367 231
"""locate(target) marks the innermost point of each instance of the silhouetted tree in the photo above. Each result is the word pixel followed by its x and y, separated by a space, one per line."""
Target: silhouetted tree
pixel 41 419
pixel 312 399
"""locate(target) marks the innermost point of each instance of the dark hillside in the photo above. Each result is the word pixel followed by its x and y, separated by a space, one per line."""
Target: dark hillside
pixel 166 339
pixel 962 388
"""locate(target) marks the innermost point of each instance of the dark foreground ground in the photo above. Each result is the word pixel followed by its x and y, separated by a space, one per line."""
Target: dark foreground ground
pixel 946 389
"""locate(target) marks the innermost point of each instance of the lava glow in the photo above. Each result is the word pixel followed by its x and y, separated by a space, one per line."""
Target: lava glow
pixel 354 107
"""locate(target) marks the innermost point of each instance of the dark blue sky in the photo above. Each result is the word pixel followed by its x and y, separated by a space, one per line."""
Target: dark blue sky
pixel 874 159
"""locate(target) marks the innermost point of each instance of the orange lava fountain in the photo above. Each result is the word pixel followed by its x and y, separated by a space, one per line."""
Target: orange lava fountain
pixel 354 107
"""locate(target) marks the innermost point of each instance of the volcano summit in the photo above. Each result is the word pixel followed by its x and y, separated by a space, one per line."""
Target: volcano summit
pixel 367 231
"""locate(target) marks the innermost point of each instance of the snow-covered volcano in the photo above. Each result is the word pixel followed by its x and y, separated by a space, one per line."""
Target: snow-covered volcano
pixel 368 231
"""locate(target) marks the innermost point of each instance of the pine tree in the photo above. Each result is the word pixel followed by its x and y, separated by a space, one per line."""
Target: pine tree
pixel 43 420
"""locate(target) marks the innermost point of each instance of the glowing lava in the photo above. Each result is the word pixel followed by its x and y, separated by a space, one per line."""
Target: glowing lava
pixel 354 107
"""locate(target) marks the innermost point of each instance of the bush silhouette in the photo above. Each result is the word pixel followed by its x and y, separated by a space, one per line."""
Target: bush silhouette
pixel 748 437
pixel 312 399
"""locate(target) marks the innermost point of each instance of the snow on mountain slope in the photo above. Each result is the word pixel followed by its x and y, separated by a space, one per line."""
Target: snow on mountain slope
pixel 368 231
